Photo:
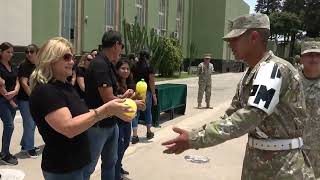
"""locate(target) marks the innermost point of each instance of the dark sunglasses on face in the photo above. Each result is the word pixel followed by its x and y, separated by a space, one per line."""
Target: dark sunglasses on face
pixel 89 59
pixel 122 45
pixel 31 52
pixel 68 57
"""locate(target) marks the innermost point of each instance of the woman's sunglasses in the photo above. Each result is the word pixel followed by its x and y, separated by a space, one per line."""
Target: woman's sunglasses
pixel 31 52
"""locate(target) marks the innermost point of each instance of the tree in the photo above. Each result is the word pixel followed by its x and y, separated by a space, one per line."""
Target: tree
pixel 294 6
pixel 287 25
pixel 268 6
pixel 312 18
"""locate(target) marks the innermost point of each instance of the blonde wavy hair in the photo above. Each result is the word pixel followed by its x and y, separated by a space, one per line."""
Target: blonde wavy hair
pixel 48 54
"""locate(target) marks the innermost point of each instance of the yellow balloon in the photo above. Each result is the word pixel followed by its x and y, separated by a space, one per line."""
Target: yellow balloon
pixel 132 105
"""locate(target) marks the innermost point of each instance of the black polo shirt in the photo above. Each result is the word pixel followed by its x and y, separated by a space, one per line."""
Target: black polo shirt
pixel 101 73
pixel 9 77
pixel 25 70
pixel 81 72
pixel 60 154
pixel 142 70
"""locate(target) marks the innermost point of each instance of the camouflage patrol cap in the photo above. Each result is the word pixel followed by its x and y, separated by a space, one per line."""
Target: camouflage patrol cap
pixel 250 21
pixel 310 46
pixel 207 56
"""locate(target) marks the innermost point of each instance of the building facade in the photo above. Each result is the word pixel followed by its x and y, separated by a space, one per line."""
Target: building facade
pixel 83 22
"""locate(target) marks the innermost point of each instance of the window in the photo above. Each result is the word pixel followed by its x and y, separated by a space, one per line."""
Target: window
pixel 68 19
pixel 179 19
pixel 140 5
pixel 110 14
pixel 163 12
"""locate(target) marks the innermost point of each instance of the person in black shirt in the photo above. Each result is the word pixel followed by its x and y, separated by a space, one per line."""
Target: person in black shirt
pixel 144 70
pixel 125 82
pixel 7 112
pixel 81 72
pixel 101 87
pixel 61 116
pixel 25 70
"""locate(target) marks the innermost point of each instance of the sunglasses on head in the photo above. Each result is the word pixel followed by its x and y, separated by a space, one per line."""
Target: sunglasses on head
pixel 68 57
pixel 31 52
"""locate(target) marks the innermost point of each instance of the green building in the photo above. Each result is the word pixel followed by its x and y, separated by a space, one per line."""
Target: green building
pixel 83 22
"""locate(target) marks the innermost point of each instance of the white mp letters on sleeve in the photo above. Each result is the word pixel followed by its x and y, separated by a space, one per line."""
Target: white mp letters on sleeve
pixel 265 91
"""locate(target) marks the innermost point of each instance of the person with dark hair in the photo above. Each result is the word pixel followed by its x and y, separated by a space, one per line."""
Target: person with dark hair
pixel 61 116
pixel 25 70
pixel 94 53
pixel 144 70
pixel 101 87
pixel 125 82
pixel 7 113
pixel 81 71
pixel 269 106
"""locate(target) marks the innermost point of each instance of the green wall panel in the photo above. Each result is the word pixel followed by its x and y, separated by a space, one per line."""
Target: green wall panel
pixel 129 10
pixel 94 27
pixel 45 20
pixel 208 26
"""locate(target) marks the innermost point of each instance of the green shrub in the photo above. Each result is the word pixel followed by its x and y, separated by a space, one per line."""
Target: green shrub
pixel 171 57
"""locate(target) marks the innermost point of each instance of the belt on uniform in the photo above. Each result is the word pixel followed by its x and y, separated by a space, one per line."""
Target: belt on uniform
pixel 275 144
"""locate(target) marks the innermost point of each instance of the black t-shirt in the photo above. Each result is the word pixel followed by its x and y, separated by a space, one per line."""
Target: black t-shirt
pixel 142 70
pixel 25 70
pixel 81 72
pixel 9 77
pixel 60 154
pixel 101 73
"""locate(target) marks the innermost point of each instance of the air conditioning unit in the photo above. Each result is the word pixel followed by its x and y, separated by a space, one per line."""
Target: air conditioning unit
pixel 176 35
pixel 108 28
pixel 158 32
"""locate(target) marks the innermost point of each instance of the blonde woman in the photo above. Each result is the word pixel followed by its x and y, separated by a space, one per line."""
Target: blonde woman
pixel 61 116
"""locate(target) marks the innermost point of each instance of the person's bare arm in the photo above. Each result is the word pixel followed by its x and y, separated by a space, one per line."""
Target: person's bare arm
pixel 106 94
pixel 80 81
pixel 24 85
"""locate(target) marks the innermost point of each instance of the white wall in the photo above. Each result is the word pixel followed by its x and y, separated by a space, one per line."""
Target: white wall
pixel 16 21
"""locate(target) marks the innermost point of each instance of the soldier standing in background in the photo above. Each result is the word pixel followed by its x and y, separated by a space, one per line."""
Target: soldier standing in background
pixel 205 70
pixel 310 58
pixel 269 105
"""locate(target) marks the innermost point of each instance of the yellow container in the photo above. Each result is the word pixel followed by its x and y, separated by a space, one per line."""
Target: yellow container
pixel 141 89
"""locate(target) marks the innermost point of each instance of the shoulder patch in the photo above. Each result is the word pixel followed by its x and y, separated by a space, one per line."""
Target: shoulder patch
pixel 266 87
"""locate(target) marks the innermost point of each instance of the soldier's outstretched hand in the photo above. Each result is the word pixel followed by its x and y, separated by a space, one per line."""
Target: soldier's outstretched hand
pixel 178 144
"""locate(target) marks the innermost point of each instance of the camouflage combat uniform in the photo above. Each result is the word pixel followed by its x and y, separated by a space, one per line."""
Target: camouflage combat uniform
pixel 312 130
pixel 204 73
pixel 285 121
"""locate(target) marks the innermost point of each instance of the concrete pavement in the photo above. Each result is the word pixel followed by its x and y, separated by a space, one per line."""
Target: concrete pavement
pixel 146 161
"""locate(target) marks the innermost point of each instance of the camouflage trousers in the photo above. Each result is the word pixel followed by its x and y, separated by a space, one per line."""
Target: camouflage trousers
pixel 276 165
pixel 314 156
pixel 204 87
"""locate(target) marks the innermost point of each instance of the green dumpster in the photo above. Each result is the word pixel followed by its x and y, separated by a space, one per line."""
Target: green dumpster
pixel 171 98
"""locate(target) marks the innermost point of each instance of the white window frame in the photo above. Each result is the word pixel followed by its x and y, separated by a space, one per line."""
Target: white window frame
pixel 179 19
pixel 163 15
pixel 141 11
pixel 110 10
pixel 67 19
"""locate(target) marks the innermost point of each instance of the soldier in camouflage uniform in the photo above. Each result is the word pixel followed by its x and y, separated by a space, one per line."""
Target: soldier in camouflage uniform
pixel 205 70
pixel 269 105
pixel 310 58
